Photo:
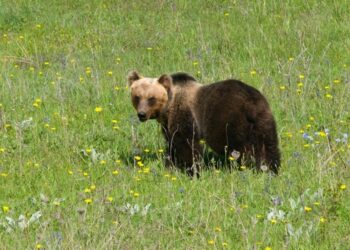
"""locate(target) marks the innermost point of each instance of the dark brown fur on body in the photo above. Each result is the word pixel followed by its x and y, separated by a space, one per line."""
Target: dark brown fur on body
pixel 233 114
pixel 229 115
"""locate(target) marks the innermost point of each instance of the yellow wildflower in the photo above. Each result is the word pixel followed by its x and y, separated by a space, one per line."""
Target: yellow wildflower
pixel 88 200
pixel 98 109
pixel 252 72
pixel 211 242
pixel 307 209
pixel 5 209
pixel 322 134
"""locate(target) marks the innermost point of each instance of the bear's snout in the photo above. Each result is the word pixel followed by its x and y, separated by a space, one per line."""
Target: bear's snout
pixel 142 116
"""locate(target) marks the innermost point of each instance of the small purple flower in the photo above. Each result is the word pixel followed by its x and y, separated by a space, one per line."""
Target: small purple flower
pixel 306 136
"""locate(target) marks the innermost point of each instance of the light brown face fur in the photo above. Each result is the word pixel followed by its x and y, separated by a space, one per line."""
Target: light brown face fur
pixel 149 97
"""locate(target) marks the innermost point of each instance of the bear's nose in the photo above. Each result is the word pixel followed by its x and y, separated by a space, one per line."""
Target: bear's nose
pixel 142 116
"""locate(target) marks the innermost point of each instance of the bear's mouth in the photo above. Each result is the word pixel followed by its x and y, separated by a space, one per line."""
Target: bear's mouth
pixel 142 119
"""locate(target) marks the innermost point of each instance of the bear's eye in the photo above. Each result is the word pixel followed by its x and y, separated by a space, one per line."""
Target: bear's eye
pixel 136 98
pixel 151 101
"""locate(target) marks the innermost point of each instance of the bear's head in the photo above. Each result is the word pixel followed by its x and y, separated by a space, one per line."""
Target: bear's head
pixel 149 96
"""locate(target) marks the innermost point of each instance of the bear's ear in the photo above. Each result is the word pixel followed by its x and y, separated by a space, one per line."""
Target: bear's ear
pixel 166 81
pixel 133 76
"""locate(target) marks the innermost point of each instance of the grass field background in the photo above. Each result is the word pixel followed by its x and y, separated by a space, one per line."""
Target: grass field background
pixel 77 170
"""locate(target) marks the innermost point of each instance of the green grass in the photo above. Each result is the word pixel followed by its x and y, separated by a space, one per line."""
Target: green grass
pixel 59 60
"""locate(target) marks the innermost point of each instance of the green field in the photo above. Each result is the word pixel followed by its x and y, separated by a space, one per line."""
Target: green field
pixel 79 171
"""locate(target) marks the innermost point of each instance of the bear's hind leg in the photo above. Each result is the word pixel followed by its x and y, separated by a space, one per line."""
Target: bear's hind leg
pixel 270 149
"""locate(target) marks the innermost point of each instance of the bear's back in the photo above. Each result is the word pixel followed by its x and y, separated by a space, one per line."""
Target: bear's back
pixel 230 88
pixel 180 79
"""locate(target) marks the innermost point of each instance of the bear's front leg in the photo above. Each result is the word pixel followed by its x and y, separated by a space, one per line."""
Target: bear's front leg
pixel 185 154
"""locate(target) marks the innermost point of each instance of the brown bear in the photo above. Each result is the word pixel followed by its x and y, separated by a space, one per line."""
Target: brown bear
pixel 231 116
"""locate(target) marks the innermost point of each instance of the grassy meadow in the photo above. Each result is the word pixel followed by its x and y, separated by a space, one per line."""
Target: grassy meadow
pixel 79 171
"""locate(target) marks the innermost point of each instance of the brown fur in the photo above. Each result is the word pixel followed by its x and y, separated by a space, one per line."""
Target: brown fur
pixel 229 115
